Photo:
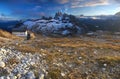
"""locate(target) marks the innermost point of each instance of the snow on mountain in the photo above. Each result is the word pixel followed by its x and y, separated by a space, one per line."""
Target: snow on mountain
pixel 29 24
pixel 65 32
pixel 41 21
pixel 60 25
pixel 52 26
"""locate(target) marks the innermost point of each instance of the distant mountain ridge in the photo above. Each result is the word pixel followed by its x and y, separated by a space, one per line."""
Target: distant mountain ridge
pixel 65 25
pixel 7 25
pixel 61 24
pixel 118 13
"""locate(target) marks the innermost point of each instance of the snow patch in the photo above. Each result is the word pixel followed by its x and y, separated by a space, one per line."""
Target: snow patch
pixel 65 32
pixel 29 24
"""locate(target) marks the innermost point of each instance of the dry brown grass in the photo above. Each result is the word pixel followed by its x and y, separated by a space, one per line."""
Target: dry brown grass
pixel 106 53
pixel 110 60
pixel 47 43
pixel 76 42
pixel 115 40
pixel 27 49
pixel 8 35
pixel 12 61
pixel 54 74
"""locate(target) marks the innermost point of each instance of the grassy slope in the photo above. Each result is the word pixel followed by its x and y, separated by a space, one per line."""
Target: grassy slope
pixel 6 37
pixel 80 57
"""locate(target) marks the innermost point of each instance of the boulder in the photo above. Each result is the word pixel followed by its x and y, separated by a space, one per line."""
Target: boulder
pixel 2 64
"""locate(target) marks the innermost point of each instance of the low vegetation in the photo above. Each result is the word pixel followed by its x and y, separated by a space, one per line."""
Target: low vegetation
pixel 12 61
pixel 75 58
pixel 109 60
pixel 8 35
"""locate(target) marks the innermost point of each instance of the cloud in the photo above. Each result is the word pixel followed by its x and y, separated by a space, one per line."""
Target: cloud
pixel 37 7
pixel 38 1
pixel 50 1
pixel 41 14
pixel 29 8
pixel 28 13
pixel 117 1
pixel 62 1
pixel 88 3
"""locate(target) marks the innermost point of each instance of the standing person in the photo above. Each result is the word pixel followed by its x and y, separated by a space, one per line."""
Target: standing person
pixel 28 36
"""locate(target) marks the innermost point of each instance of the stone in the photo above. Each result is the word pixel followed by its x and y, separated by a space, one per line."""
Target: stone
pixel 2 77
pixel 104 65
pixel 63 74
pixel 59 50
pixel 7 77
pixel 18 76
pixel 41 76
pixel 2 64
pixel 0 58
pixel 95 52
pixel 32 63
pixel 22 78
pixel 80 58
pixel 30 75
pixel 3 50
pixel 103 69
pixel 17 44
pixel 13 77
pixel 83 62
pixel 23 61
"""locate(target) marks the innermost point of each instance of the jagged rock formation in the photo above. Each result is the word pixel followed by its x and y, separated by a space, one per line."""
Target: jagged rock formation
pixel 61 24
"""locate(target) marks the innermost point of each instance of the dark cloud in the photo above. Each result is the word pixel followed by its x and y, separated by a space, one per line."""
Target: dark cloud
pixel 115 1
pixel 37 8
pixel 88 3
pixel 36 1
pixel 118 1
pixel 45 1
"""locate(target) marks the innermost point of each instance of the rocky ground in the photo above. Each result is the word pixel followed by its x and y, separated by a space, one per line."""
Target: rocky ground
pixel 81 57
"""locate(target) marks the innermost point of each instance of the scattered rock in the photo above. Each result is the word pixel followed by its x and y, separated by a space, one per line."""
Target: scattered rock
pixel 63 74
pixel 18 76
pixel 41 76
pixel 2 77
pixel 2 64
pixel 95 52
pixel 80 58
pixel 104 65
pixel 13 77
pixel 30 75
pixel 7 77
pixel 83 62
pixel 103 69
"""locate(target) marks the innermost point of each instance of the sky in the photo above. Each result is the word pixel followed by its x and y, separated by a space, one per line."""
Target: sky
pixel 22 9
